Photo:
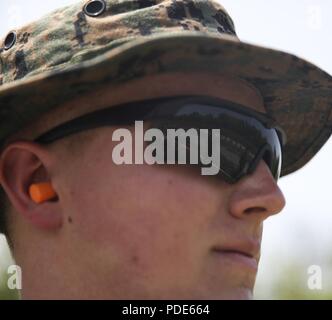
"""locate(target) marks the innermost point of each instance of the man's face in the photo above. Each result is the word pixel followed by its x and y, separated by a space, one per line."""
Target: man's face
pixel 146 231
pixel 150 231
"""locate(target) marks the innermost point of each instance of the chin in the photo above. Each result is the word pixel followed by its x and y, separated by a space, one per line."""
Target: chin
pixel 224 294
pixel 242 294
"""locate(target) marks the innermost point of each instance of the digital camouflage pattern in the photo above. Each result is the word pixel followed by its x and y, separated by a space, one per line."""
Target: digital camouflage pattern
pixel 67 53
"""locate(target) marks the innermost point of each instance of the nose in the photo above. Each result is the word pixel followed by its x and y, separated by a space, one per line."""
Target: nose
pixel 256 195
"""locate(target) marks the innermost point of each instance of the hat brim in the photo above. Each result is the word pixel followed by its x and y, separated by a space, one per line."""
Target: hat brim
pixel 297 94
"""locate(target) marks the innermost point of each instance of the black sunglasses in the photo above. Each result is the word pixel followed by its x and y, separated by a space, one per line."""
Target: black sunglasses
pixel 247 136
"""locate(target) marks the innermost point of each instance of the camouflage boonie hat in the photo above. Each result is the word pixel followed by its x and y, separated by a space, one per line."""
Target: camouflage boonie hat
pixel 80 47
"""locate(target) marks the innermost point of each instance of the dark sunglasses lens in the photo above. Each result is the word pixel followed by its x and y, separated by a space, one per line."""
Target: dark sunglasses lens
pixel 242 137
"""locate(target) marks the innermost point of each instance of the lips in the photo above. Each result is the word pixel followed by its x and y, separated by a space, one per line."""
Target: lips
pixel 245 253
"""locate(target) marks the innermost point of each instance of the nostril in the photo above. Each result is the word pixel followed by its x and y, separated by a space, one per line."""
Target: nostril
pixel 254 210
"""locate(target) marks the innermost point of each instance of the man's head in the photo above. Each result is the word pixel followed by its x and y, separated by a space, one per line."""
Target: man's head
pixel 133 231
pixel 143 231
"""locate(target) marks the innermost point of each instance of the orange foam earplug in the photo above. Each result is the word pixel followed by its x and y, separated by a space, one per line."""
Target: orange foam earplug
pixel 40 192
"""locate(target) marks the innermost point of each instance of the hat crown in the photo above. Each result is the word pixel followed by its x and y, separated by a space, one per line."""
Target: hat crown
pixel 85 30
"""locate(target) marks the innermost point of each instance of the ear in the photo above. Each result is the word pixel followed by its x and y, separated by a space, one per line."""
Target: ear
pixel 22 164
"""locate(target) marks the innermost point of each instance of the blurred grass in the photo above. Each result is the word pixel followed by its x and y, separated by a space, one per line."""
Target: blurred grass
pixel 5 261
pixel 5 293
pixel 293 285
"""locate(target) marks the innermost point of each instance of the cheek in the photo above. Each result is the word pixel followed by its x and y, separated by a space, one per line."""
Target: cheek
pixel 151 219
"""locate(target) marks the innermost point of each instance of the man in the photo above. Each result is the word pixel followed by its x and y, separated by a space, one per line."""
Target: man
pixel 95 229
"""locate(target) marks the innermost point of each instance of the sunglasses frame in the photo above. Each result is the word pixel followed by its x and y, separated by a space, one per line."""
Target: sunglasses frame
pixel 127 113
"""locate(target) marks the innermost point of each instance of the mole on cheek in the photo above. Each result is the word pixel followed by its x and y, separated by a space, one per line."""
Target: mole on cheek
pixel 134 259
pixel 70 220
